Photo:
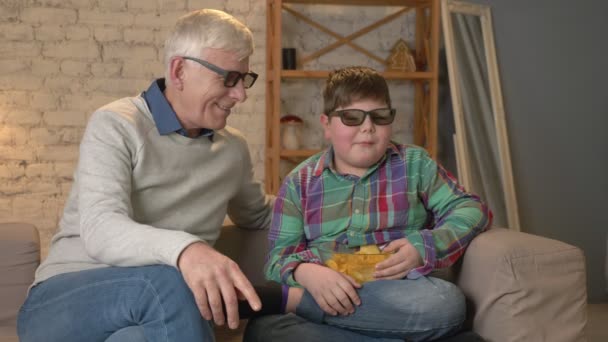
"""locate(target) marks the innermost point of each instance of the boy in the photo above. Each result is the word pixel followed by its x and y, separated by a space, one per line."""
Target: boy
pixel 365 189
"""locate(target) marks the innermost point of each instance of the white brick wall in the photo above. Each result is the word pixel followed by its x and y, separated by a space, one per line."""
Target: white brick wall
pixel 16 32
pixel 62 59
pixel 42 15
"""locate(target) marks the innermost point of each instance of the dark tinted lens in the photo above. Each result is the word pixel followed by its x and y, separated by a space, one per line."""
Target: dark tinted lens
pixel 232 78
pixel 383 116
pixel 249 79
pixel 352 117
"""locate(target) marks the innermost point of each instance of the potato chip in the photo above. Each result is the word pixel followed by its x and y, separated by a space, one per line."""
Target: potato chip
pixel 369 249
pixel 332 264
pixel 359 265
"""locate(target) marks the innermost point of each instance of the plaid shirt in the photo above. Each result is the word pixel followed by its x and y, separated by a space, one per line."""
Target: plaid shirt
pixel 405 195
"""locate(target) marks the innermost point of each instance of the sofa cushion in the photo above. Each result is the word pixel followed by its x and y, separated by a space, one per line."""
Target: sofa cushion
pixel 525 287
pixel 248 248
pixel 19 258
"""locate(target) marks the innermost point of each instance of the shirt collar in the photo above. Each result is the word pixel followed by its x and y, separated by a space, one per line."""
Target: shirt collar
pixel 164 116
pixel 325 162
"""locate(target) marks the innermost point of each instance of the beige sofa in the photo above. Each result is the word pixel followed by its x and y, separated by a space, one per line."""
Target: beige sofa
pixel 520 287
pixel 19 257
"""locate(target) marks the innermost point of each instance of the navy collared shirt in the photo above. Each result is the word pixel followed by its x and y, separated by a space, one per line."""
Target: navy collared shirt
pixel 164 116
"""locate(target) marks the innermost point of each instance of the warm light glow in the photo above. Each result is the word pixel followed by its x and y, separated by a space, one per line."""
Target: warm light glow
pixel 5 131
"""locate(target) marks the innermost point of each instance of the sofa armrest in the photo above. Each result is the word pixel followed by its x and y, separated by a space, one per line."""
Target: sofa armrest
pixel 523 287
pixel 248 248
pixel 19 258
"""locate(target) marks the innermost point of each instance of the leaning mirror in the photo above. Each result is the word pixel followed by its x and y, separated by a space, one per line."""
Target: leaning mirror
pixel 481 143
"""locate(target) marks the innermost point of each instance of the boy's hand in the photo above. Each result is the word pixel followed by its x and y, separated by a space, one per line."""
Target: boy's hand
pixel 398 265
pixel 334 292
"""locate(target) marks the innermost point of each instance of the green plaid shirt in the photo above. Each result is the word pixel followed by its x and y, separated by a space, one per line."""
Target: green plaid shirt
pixel 405 195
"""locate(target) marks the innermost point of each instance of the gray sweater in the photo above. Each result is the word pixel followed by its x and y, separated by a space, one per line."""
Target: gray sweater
pixel 139 198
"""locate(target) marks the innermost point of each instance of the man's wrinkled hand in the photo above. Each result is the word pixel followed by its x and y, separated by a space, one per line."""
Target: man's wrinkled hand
pixel 216 282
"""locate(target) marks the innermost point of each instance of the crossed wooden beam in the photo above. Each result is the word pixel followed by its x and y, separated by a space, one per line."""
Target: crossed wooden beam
pixel 341 40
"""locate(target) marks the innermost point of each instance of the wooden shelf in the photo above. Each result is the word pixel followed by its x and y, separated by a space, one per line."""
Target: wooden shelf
pixel 297 153
pixel 425 83
pixel 389 75
pixel 362 2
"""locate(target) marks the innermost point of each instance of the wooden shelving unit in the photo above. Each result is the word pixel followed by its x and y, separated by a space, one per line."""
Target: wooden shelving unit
pixel 425 82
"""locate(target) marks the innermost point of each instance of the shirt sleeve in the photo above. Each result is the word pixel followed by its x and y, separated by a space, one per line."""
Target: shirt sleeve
pixel 457 217
pixel 287 239
pixel 107 157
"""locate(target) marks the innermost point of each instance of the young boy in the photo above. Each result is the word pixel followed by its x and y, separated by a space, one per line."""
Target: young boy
pixel 365 189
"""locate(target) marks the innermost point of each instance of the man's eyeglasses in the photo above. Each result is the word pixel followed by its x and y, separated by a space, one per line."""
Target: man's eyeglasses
pixel 355 117
pixel 231 78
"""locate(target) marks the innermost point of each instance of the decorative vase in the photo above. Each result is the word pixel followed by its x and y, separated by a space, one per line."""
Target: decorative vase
pixel 291 139
pixel 290 125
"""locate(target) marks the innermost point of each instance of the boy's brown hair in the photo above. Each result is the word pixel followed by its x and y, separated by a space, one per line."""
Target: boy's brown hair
pixel 349 84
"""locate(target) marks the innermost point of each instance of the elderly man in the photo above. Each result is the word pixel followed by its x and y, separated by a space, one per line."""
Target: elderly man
pixel 133 257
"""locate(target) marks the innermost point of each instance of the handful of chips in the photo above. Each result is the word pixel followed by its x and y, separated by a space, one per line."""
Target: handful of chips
pixel 359 265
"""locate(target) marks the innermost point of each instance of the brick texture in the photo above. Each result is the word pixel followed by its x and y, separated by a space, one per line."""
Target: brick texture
pixel 62 59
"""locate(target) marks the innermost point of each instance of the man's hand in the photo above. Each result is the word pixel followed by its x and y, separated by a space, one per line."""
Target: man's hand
pixel 333 291
pixel 213 278
pixel 398 265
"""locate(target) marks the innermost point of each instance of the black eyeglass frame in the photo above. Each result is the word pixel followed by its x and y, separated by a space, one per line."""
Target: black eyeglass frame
pixel 228 81
pixel 372 115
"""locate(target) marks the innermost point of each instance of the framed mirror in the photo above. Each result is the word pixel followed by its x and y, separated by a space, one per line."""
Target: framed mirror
pixel 481 141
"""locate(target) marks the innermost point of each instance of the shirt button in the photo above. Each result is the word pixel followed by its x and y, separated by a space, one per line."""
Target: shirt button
pixel 357 211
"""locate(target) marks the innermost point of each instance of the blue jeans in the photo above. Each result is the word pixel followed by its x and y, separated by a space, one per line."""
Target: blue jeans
pixel 151 303
pixel 391 310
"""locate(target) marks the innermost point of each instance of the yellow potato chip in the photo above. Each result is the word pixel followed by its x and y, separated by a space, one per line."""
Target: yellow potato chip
pixel 332 264
pixel 369 249
pixel 359 266
pixel 358 277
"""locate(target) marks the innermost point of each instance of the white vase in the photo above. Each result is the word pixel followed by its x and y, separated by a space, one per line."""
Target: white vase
pixel 290 139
